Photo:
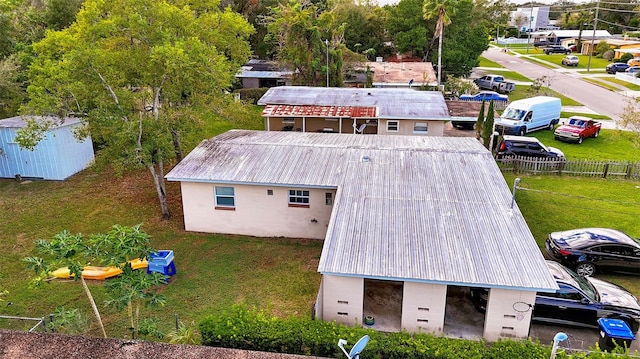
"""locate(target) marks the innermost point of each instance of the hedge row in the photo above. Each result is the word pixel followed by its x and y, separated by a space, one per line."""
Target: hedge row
pixel 248 329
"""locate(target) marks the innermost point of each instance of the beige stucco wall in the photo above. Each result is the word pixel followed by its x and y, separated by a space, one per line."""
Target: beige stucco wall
pixel 256 213
pixel 342 299
pixel 423 307
pixel 405 127
pixel 502 319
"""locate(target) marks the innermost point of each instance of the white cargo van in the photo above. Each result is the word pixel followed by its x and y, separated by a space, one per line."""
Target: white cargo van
pixel 530 114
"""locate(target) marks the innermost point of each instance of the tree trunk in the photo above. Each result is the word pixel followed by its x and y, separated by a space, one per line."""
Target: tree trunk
pixel 177 146
pixel 158 180
pixel 93 305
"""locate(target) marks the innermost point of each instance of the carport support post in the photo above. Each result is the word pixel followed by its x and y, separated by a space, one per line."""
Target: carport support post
pixel 515 186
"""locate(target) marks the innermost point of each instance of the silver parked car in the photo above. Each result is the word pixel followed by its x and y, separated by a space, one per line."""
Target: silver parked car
pixel 571 60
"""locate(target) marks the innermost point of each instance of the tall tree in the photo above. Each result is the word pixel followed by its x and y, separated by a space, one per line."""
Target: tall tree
pixel 305 37
pixel 442 10
pixel 136 79
pixel 408 29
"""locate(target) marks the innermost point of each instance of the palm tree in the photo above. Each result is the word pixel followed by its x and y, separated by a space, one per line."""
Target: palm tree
pixel 440 9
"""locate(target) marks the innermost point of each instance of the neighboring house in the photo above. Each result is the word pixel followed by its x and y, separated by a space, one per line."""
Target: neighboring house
pixel 354 110
pixel 570 37
pixel 534 18
pixel 395 75
pixel 263 73
pixel 420 214
pixel 57 156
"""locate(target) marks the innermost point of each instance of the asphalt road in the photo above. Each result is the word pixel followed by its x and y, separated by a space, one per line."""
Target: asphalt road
pixel 596 98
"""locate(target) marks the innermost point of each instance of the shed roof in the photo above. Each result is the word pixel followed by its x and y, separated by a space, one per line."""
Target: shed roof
pixel 21 121
pixel 391 103
pixel 402 72
pixel 412 208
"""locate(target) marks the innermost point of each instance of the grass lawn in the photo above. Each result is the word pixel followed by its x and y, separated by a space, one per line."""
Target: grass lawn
pixel 629 85
pixel 484 62
pixel 601 82
pixel 556 203
pixel 613 145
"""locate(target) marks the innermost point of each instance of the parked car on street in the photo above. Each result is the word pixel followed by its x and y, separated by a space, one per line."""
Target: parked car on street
pixel 634 61
pixel 485 96
pixel 591 250
pixel 526 146
pixel 632 69
pixel 616 67
pixel 580 301
pixel 556 49
pixel 495 83
pixel 577 129
pixel 570 60
pixel 528 115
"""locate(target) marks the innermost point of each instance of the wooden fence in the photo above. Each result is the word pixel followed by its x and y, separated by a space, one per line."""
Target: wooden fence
pixel 588 168
pixel 497 105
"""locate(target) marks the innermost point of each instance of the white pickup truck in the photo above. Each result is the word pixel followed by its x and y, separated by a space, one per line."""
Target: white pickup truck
pixel 495 82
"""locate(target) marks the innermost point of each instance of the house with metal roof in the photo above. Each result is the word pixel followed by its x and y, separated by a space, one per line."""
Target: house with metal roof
pixel 421 214
pixel 263 73
pixel 57 156
pixel 381 111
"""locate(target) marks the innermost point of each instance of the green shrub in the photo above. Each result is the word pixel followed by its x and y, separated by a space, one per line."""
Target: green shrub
pixel 252 95
pixel 248 329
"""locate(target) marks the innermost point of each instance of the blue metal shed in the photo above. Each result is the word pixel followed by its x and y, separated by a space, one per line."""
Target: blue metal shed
pixel 58 155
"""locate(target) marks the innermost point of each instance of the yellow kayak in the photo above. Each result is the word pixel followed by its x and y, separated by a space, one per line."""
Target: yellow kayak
pixel 99 273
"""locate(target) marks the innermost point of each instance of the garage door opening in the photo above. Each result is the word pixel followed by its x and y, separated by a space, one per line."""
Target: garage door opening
pixel 383 303
pixel 461 319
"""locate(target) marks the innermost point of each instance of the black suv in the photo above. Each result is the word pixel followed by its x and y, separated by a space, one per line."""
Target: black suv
pixel 556 49
pixel 616 67
pixel 526 146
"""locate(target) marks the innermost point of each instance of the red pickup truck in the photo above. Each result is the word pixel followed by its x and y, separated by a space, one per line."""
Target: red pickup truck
pixel 577 128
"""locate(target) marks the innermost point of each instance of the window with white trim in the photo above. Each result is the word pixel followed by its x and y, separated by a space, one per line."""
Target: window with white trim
pixel 420 127
pixel 225 197
pixel 392 126
pixel 299 197
pixel 328 198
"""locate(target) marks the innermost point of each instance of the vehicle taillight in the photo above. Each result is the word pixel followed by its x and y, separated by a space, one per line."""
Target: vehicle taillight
pixel 564 252
pixel 502 146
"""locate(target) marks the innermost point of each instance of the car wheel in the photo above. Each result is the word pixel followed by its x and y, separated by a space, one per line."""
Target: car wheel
pixel 580 139
pixel 586 269
pixel 523 131
pixel 568 52
pixel 596 134
pixel 551 126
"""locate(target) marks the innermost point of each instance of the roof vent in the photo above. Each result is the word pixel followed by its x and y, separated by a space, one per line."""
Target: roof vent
pixel 368 93
pixel 366 158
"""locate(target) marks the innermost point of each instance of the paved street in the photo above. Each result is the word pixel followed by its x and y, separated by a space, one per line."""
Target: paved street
pixel 568 83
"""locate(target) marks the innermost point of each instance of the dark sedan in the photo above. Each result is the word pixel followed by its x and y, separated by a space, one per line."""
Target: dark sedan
pixel 589 250
pixel 580 301
pixel 616 67
pixel 556 49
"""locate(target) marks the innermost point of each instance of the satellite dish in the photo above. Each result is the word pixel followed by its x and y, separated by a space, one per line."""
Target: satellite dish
pixel 359 347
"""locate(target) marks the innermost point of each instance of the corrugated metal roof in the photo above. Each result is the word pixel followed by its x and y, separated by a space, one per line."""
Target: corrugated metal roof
pixel 319 111
pixel 391 103
pixel 20 121
pixel 429 209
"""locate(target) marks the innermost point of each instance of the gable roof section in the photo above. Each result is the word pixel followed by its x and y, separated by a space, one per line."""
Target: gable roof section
pixel 391 103
pixel 425 209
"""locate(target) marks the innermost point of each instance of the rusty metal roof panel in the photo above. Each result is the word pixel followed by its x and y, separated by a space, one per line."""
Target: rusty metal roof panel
pixel 319 111
pixel 391 103
pixel 413 208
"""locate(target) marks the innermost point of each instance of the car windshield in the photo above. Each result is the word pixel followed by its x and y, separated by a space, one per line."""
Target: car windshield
pixel 584 284
pixel 513 114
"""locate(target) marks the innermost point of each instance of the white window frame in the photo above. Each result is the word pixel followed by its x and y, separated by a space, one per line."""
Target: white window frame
pixel 299 197
pixel 397 126
pixel 224 195
pixel 420 124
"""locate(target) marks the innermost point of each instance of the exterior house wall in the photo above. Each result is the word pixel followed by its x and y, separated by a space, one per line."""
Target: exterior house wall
pixel 423 307
pixel 58 156
pixel 406 127
pixel 250 82
pixel 343 299
pixel 249 216
pixel 502 319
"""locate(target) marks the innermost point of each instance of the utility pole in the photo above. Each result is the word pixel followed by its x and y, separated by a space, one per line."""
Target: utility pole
pixel 529 29
pixel 326 42
pixel 593 37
